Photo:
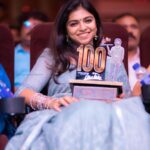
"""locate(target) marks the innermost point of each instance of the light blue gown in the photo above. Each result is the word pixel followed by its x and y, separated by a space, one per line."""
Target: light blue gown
pixel 84 125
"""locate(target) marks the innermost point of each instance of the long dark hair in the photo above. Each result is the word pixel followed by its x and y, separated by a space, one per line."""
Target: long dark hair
pixel 62 48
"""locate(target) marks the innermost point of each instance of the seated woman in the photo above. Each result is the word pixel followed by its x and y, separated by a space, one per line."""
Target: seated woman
pixel 6 125
pixel 82 124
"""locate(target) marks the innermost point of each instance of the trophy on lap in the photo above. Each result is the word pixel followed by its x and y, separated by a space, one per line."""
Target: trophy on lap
pixel 90 82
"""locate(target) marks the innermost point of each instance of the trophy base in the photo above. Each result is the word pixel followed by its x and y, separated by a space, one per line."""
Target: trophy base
pixel 96 90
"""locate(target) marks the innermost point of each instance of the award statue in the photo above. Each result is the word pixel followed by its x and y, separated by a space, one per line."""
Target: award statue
pixel 89 83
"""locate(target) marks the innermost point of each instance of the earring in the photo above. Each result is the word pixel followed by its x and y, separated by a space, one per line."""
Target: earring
pixel 95 37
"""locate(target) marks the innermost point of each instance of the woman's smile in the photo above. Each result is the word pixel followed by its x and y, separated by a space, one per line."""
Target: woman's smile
pixel 83 29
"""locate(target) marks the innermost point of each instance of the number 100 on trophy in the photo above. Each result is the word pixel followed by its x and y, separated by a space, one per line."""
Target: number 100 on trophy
pixel 91 62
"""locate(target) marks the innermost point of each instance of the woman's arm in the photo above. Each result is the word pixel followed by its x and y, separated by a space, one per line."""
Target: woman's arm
pixel 40 101
pixel 39 74
pixel 37 79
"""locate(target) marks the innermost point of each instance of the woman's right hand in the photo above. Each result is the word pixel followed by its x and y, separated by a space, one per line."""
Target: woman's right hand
pixel 137 89
pixel 56 103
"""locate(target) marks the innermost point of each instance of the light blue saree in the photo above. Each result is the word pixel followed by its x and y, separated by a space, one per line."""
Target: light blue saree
pixel 86 125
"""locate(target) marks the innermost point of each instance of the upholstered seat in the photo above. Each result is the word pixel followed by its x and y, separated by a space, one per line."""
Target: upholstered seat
pixel 145 47
pixel 40 38
pixel 145 61
pixel 7 52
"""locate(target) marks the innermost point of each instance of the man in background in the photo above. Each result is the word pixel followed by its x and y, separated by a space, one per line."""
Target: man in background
pixel 22 51
pixel 132 25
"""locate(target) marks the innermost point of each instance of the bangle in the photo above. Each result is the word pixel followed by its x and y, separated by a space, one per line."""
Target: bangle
pixel 37 101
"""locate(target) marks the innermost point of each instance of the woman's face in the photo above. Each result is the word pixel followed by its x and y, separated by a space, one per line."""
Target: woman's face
pixel 81 26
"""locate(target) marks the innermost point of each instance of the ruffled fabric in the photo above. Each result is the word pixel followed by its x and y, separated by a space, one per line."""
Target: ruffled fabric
pixel 86 125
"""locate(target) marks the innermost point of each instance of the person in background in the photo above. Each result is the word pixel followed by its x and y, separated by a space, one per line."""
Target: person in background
pixel 6 125
pixel 63 122
pixel 132 24
pixel 22 51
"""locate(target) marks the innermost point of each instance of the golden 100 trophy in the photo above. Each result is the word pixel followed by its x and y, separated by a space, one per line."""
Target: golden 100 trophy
pixel 89 82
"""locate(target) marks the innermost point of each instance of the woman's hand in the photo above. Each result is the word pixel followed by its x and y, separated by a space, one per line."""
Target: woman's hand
pixel 137 89
pixel 118 98
pixel 63 101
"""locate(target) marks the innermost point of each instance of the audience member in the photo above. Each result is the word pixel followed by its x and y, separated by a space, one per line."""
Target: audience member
pixel 22 50
pixel 84 124
pixel 132 25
